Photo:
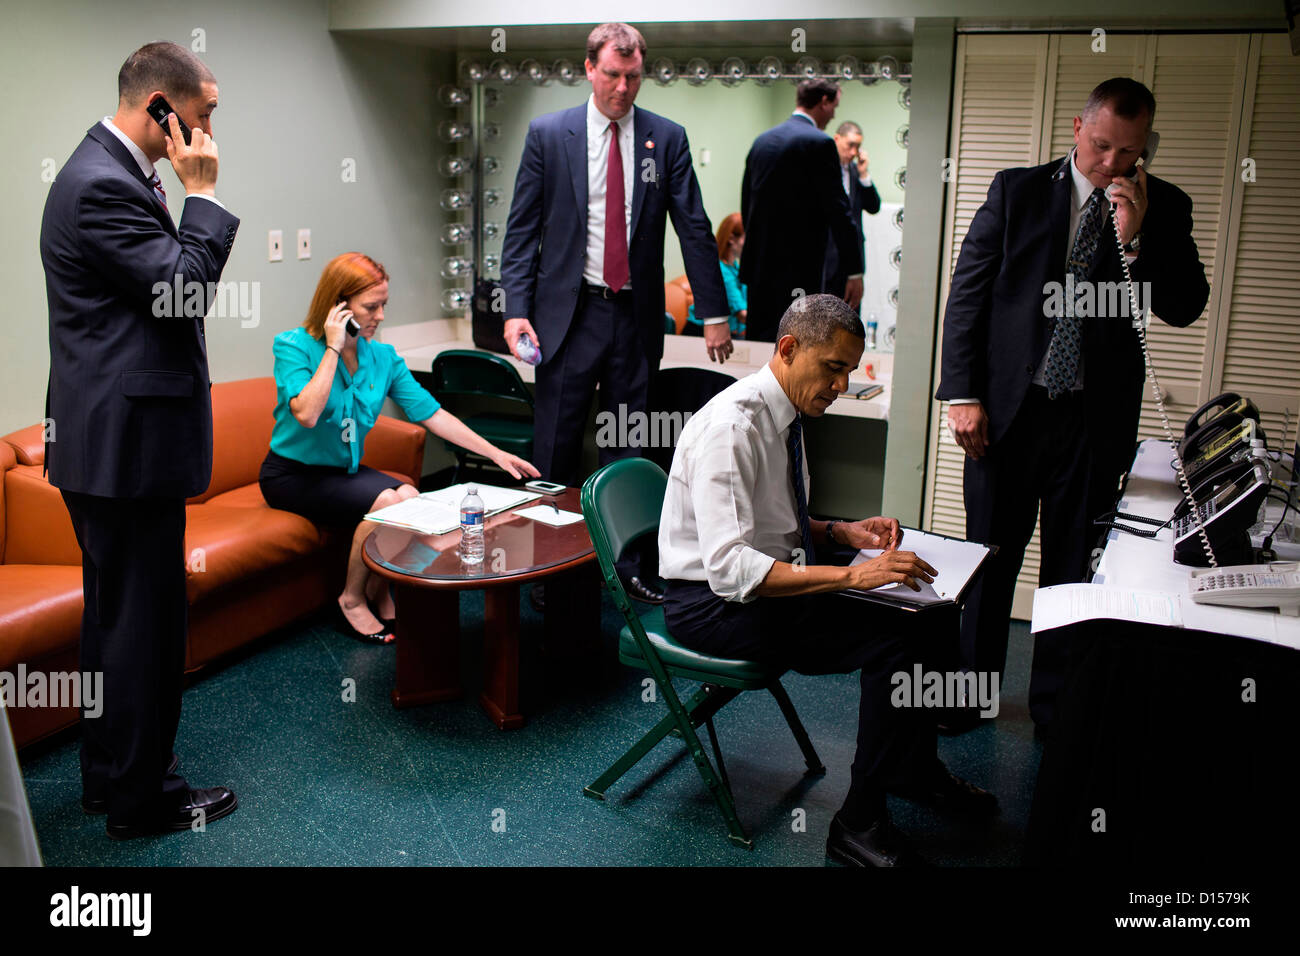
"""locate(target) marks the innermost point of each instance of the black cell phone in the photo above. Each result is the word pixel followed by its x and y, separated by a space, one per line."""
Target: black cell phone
pixel 352 326
pixel 159 109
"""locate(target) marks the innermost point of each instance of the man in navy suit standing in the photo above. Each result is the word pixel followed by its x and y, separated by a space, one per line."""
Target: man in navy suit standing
pixel 583 258
pixel 1046 406
pixel 792 200
pixel 132 420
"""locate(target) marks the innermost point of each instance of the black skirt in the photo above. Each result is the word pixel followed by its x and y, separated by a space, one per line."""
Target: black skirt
pixel 323 493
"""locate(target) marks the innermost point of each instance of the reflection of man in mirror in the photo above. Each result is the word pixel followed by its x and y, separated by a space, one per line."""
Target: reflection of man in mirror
pixel 855 176
pixel 792 200
pixel 1046 408
pixel 583 260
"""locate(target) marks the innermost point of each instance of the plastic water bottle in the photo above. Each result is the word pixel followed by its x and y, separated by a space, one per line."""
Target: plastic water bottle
pixel 872 326
pixel 471 527
pixel 527 351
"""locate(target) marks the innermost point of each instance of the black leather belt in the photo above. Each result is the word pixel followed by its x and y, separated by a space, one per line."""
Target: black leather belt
pixel 605 292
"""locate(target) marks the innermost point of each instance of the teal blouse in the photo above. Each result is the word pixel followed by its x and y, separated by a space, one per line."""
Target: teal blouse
pixel 737 295
pixel 354 401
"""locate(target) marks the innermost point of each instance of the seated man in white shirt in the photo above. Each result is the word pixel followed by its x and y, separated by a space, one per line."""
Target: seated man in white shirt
pixel 738 552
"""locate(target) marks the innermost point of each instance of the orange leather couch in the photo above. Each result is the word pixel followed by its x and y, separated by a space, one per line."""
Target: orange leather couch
pixel 250 569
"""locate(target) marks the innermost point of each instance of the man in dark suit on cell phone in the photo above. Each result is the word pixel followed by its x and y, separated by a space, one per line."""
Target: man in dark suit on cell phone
pixel 582 264
pixel 132 420
pixel 1046 406
pixel 863 196
pixel 793 201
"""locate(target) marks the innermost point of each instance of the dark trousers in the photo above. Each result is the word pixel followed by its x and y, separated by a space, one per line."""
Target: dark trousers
pixel 1038 470
pixel 603 346
pixel 830 634
pixel 133 631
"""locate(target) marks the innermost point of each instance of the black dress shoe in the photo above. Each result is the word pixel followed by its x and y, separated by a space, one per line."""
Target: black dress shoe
pixel 638 590
pixel 879 845
pixel 207 805
pixel 948 792
pixel 100 804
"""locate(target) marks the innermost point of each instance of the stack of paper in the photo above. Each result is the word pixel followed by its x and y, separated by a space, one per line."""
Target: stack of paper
pixel 955 561
pixel 437 512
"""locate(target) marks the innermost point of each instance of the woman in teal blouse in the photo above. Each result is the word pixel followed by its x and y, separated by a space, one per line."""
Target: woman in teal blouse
pixel 731 240
pixel 330 386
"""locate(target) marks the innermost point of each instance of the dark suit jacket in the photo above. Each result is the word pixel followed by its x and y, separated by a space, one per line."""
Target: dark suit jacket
pixel 128 390
pixel 545 245
pixel 861 199
pixel 790 198
pixel 995 332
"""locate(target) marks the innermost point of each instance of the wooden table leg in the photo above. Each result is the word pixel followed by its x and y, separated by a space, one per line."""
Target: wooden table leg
pixel 428 646
pixel 500 697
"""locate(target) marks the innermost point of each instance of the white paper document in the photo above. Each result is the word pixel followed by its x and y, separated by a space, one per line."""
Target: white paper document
pixel 955 561
pixel 437 512
pixel 1069 603
pixel 548 515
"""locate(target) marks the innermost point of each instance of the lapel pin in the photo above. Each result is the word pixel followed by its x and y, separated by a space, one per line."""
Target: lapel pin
pixel 649 144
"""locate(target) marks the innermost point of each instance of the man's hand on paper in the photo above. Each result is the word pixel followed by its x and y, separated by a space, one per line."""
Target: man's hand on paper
pixel 882 533
pixel 892 567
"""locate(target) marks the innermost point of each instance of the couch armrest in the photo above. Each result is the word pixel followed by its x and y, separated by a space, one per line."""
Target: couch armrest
pixel 395 445
pixel 28 444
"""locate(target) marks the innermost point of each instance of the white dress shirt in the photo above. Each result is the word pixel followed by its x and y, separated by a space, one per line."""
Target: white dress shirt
pixel 729 511
pixel 1080 190
pixel 598 140
pixel 142 160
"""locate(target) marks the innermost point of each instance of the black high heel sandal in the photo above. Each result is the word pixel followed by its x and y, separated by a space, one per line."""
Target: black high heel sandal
pixel 343 625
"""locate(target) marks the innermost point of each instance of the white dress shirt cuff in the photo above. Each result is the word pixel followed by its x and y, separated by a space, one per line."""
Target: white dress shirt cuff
pixel 715 320
pixel 865 180
pixel 752 567
pixel 205 196
pixel 963 401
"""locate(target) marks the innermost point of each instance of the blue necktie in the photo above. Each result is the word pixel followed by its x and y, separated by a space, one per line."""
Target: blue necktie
pixel 794 442
pixel 1063 353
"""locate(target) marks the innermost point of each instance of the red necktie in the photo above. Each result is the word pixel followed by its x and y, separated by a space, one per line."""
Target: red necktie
pixel 615 270
pixel 158 191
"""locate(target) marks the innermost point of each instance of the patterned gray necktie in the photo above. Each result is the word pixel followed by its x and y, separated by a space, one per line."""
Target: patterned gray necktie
pixel 1063 353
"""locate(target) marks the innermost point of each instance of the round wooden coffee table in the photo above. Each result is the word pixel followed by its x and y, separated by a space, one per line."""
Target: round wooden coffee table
pixel 428 576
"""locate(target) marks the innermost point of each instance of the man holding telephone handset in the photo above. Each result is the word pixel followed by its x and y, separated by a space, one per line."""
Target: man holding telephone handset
pixel 1046 407
pixel 129 399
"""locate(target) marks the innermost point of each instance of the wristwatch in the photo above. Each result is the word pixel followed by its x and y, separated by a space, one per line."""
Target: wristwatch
pixel 830 531
pixel 1134 244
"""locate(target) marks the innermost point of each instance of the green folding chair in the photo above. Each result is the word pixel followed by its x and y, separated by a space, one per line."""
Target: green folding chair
pixel 621 502
pixel 458 373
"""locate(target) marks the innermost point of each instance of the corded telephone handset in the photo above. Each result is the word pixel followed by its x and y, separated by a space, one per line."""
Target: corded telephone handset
pixel 1217 416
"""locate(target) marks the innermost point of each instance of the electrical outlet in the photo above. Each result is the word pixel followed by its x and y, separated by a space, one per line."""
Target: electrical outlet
pixel 275 245
pixel 304 243
pixel 705 157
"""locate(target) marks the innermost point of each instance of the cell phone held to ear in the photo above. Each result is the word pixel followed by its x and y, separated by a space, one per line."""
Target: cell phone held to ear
pixel 159 108
pixel 352 326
